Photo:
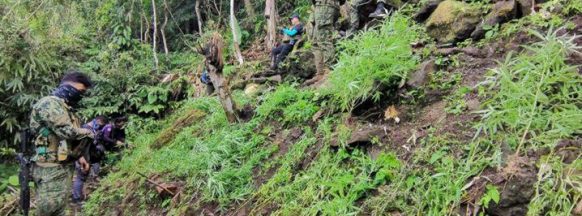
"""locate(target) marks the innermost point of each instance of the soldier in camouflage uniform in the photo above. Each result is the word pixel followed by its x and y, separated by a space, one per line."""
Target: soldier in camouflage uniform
pixel 355 5
pixel 58 131
pixel 324 21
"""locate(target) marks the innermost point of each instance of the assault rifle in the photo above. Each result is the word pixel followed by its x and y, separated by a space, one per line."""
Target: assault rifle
pixel 24 177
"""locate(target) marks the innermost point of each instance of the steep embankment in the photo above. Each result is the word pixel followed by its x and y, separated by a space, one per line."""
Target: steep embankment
pixel 401 127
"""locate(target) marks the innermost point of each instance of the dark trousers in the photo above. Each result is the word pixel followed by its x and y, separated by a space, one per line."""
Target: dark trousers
pixel 81 177
pixel 280 53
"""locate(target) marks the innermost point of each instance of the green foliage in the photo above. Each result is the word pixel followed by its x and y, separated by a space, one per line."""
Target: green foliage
pixel 444 81
pixel 559 187
pixel 456 103
pixel 229 152
pixel 537 95
pixel 491 194
pixel 33 56
pixel 372 60
pixel 331 185
pixel 8 177
pixel 288 104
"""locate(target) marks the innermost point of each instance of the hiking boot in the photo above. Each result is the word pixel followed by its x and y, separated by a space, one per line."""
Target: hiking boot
pixel 274 63
pixel 379 12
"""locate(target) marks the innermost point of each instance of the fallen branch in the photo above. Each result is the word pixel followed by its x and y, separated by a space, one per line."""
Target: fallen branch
pixel 157 184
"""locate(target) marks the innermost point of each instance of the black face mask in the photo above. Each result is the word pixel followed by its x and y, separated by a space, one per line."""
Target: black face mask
pixel 70 94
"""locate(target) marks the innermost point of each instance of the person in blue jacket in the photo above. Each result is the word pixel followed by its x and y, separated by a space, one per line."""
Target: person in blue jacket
pixel 291 36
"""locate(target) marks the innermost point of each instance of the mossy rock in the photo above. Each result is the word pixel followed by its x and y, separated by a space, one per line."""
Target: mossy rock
pixel 452 21
pixel 502 12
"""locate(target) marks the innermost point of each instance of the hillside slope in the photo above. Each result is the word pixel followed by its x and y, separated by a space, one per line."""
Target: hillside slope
pixel 487 127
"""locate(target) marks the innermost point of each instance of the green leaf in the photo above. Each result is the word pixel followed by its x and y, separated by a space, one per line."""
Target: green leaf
pixel 436 156
pixel 13 180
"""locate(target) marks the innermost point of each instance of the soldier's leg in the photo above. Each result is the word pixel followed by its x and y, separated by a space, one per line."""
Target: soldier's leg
pixel 325 18
pixel 325 37
pixel 95 170
pixel 78 183
pixel 355 15
pixel 52 189
pixel 274 56
pixel 286 49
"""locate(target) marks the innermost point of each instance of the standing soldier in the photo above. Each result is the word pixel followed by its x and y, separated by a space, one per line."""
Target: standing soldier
pixel 325 18
pixel 58 133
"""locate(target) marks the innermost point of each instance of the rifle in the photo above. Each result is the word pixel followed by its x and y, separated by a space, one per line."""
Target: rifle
pixel 24 177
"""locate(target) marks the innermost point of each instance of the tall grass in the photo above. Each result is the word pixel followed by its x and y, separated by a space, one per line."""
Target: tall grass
pixel 535 97
pixel 375 58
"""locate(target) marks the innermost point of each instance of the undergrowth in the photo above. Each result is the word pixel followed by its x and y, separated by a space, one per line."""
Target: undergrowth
pixel 371 61
pixel 534 97
pixel 532 100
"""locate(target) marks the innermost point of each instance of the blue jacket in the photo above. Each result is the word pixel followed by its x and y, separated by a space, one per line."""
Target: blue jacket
pixel 294 33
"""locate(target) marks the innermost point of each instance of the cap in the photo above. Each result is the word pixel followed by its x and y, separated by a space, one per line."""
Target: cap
pixel 294 16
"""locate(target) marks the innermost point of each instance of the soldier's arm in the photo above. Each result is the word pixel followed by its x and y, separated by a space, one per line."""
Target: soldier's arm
pixel 57 118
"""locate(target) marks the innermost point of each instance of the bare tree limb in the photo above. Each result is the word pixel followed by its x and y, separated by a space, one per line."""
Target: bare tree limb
pixel 235 34
pixel 198 16
pixel 271 16
pixel 164 27
pixel 155 35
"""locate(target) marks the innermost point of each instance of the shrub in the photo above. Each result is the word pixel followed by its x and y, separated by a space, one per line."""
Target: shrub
pixel 534 95
pixel 373 59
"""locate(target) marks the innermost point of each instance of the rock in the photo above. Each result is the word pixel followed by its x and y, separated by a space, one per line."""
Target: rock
pixel 299 64
pixel 363 136
pixel 525 7
pixel 252 89
pixel 420 77
pixel 425 11
pixel 452 21
pixel 473 104
pixel 517 188
pixel 502 12
pixel 394 3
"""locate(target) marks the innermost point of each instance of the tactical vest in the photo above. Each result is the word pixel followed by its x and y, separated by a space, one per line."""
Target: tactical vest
pixel 49 147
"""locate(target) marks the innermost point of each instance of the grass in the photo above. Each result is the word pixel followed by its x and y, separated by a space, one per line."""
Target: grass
pixel 535 95
pixel 559 187
pixel 371 61
pixel 532 101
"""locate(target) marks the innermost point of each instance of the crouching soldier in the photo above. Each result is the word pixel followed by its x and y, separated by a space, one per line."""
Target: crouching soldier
pixel 291 36
pixel 96 155
pixel 114 134
pixel 58 133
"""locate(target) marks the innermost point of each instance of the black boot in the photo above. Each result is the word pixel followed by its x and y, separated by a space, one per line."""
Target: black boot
pixel 274 63
pixel 379 12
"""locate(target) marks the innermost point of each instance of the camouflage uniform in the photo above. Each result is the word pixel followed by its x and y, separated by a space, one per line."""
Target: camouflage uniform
pixel 354 13
pixel 56 128
pixel 325 17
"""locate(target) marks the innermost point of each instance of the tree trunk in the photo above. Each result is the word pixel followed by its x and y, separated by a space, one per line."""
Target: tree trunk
pixel 271 16
pixel 214 64
pixel 235 34
pixel 198 16
pixel 221 85
pixel 164 27
pixel 155 35
pixel 250 9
